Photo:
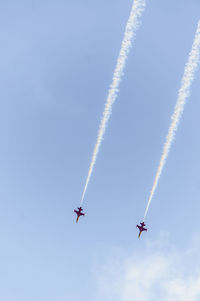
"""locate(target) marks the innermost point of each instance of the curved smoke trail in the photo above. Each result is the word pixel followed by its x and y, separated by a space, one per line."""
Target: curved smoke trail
pixel 130 32
pixel 183 93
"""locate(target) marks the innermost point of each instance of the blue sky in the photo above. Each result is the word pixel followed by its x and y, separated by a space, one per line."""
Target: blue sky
pixel 57 59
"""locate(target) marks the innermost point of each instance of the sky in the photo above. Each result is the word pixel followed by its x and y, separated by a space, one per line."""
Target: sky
pixel 57 60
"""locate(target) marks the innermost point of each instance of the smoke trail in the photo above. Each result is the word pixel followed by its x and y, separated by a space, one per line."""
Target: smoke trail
pixel 183 93
pixel 130 32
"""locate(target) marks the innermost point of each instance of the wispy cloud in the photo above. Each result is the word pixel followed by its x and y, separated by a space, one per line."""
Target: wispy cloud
pixel 157 273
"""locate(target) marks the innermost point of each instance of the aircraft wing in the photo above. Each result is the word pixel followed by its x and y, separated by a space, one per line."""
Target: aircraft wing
pixel 144 229
pixel 76 211
pixel 82 213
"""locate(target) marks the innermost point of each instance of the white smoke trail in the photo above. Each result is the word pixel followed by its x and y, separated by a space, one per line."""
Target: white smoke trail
pixel 130 32
pixel 183 93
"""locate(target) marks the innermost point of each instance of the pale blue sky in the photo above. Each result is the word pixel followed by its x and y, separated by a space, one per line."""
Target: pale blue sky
pixel 57 59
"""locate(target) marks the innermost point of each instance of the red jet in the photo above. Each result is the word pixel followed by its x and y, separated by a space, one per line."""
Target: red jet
pixel 141 228
pixel 79 213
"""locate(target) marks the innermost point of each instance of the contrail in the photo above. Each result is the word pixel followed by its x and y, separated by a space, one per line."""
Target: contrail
pixel 183 93
pixel 130 33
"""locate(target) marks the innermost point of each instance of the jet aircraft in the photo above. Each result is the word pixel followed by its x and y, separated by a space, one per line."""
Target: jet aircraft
pixel 141 228
pixel 79 213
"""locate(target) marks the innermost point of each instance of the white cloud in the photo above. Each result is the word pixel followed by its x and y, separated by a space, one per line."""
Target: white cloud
pixel 159 272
